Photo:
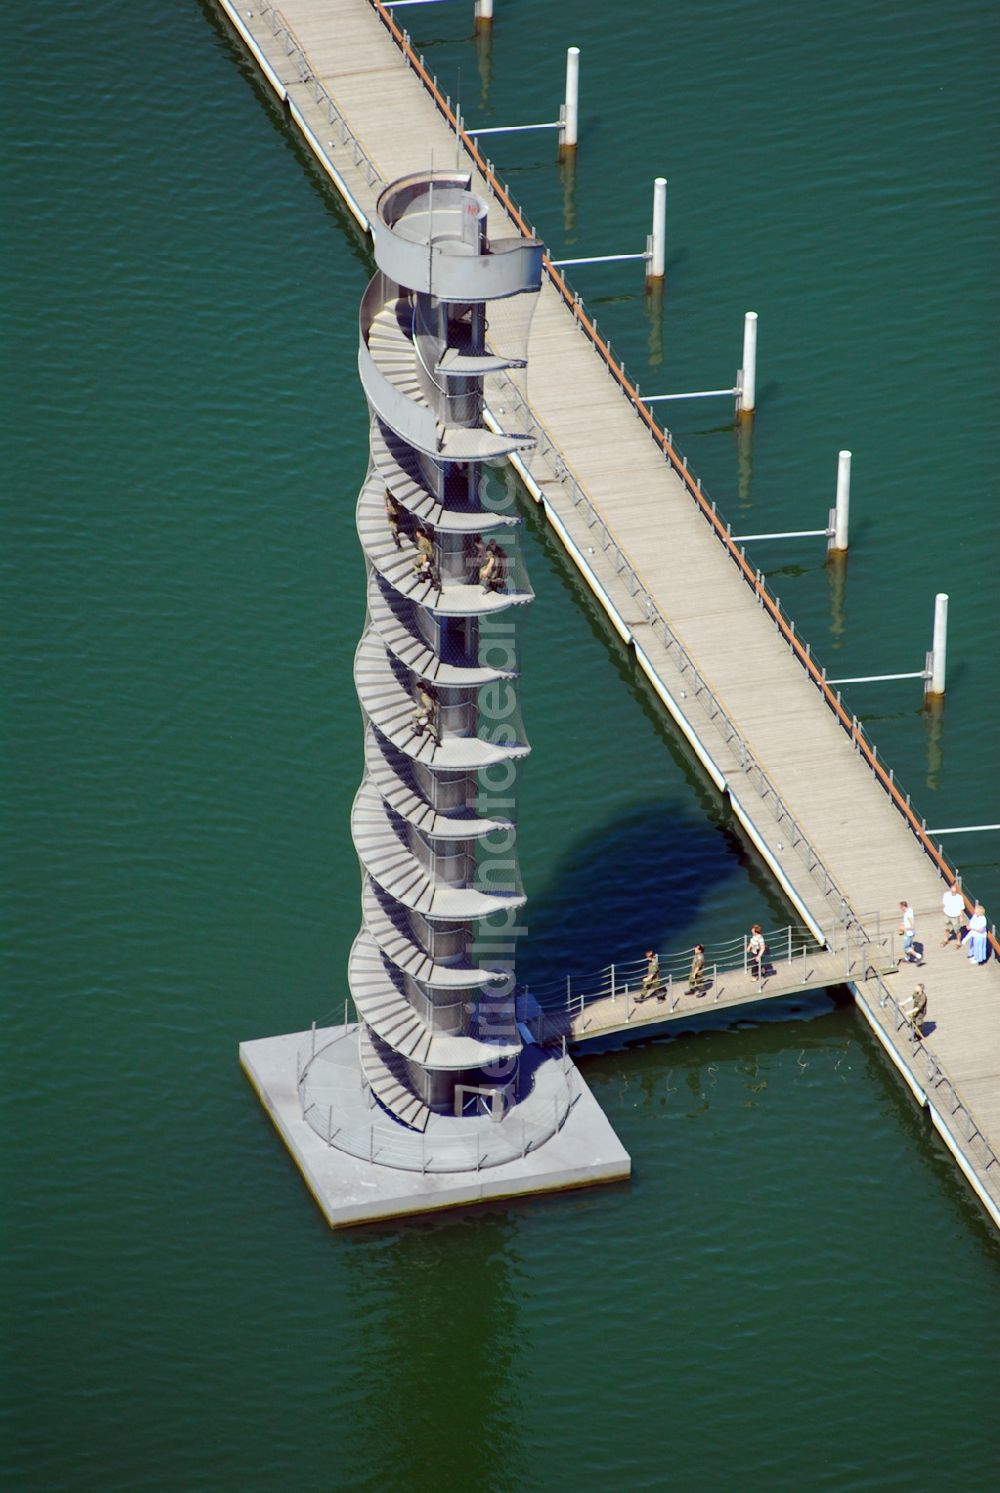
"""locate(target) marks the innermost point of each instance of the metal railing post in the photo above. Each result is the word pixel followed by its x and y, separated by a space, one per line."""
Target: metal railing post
pixel 612 982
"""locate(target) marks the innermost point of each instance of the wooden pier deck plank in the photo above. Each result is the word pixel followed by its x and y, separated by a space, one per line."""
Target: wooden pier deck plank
pixel 872 857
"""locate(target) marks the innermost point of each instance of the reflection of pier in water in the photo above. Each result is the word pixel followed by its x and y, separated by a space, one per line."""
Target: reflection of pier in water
pixel 801 775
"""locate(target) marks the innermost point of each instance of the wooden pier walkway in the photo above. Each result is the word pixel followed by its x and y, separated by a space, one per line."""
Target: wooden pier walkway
pixel 801 775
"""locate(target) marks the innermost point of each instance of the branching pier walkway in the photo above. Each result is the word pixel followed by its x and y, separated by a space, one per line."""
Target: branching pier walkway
pixel 629 1012
pixel 622 1000
pixel 801 774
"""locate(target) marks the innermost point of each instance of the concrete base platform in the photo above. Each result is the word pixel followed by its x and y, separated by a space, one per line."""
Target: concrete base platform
pixel 584 1152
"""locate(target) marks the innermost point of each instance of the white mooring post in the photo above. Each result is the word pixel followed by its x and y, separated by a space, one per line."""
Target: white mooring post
pixel 571 107
pixel 656 264
pixel 484 10
pixel 748 373
pixel 841 513
pixel 939 647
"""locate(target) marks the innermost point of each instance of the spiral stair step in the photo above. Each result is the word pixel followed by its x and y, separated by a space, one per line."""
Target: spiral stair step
pixel 384 1008
pixel 455 598
pixel 454 363
pixel 390 1016
pixel 391 931
pixel 394 354
pixel 391 773
pixel 391 862
pixel 392 616
pixel 405 382
pixel 387 701
pixel 387 1081
pixel 397 468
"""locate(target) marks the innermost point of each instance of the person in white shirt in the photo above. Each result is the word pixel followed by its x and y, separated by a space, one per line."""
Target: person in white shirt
pixel 953 907
pixel 907 929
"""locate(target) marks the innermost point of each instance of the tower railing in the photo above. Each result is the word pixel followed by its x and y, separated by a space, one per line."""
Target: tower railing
pixel 475 1145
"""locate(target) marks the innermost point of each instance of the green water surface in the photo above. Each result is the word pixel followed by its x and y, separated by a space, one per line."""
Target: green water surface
pixel 797 1289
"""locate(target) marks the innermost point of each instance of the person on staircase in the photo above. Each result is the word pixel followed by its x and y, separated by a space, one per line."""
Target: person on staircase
pixel 392 518
pixel 425 714
pixel 423 564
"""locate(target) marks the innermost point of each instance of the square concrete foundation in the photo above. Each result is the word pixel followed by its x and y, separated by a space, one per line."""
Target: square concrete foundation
pixel 584 1152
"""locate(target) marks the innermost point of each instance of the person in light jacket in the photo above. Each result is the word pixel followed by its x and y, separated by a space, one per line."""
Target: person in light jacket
pixel 975 936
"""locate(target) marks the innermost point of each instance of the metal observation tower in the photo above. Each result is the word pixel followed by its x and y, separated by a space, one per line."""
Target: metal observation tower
pixel 448 1076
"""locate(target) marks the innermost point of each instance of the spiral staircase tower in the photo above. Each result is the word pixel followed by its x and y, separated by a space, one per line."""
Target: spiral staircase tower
pixel 440 1093
pixel 438 1031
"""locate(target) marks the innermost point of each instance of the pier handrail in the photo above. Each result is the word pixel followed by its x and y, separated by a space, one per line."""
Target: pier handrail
pixel 295 50
pixel 785 945
pixel 717 713
pixel 662 437
pixel 727 954
pixel 933 1077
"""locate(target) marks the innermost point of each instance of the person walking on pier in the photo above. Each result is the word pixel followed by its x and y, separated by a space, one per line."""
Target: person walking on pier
pixel 917 1012
pixel 907 927
pixel 756 951
pixel 652 976
pixel 953 907
pixel 975 935
pixel 697 971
